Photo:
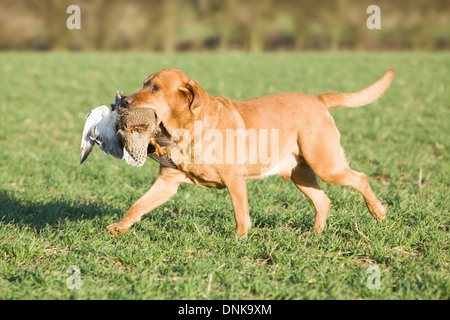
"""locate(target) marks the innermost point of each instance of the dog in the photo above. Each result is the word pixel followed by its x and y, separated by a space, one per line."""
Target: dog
pixel 305 144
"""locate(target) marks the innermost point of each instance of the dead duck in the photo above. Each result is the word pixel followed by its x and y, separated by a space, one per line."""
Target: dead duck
pixel 124 134
pixel 139 129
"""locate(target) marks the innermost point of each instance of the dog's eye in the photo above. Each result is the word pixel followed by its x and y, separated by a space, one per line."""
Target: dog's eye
pixel 155 88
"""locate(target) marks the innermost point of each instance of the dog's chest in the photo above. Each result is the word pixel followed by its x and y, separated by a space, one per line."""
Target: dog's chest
pixel 204 176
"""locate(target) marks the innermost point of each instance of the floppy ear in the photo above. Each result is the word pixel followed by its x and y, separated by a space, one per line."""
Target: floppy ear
pixel 192 91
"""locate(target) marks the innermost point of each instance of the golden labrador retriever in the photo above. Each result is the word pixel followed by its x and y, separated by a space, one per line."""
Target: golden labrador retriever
pixel 222 142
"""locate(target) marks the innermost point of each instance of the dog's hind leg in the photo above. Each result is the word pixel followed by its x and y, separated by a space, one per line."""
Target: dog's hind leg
pixel 324 155
pixel 305 180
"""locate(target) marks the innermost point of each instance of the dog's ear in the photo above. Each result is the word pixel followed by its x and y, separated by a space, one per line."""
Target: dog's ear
pixel 192 91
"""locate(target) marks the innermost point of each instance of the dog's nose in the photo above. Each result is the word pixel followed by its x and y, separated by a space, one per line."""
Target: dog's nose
pixel 128 101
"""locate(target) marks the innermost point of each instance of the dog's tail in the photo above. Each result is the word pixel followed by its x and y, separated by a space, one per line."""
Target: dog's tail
pixel 359 98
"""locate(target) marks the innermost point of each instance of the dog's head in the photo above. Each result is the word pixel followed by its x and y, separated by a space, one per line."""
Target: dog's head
pixel 175 97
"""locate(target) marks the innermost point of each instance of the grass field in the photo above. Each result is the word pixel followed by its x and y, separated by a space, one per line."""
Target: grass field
pixel 54 212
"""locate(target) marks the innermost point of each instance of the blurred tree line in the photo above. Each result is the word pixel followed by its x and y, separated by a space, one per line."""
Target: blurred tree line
pixel 252 25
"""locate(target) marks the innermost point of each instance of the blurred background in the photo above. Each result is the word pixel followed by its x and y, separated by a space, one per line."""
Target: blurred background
pixel 222 25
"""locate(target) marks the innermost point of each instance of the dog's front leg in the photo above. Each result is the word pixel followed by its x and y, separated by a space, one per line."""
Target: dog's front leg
pixel 164 188
pixel 238 192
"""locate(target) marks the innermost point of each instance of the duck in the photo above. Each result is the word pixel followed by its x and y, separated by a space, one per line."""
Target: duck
pixel 138 128
pixel 126 134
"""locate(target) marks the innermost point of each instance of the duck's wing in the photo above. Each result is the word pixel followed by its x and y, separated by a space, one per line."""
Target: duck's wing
pixel 164 141
pixel 111 144
pixel 164 160
pixel 99 129
pixel 162 138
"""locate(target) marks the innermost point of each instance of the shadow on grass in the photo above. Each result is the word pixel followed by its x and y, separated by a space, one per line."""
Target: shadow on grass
pixel 50 214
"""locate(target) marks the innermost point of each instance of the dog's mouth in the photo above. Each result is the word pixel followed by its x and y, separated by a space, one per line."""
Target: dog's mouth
pixel 151 149
pixel 135 156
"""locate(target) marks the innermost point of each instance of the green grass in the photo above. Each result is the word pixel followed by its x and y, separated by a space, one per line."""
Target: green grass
pixel 54 212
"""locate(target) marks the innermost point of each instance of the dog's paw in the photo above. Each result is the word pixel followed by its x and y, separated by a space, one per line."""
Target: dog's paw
pixel 378 212
pixel 381 213
pixel 115 230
